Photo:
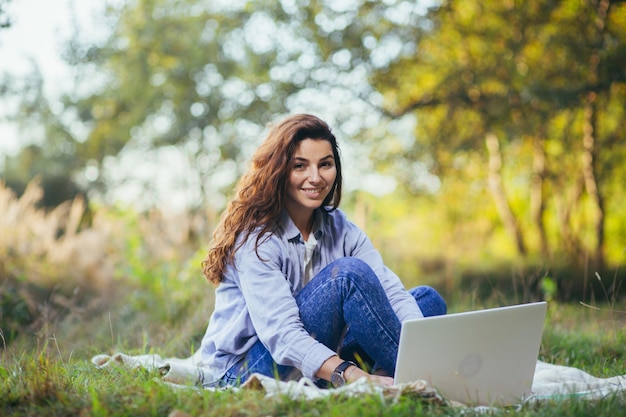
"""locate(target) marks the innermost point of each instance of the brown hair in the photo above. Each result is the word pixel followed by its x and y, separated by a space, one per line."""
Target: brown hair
pixel 253 206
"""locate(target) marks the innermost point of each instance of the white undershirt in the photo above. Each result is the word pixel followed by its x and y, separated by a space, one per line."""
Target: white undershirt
pixel 309 248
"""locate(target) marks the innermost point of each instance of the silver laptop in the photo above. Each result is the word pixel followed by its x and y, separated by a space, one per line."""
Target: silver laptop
pixel 484 357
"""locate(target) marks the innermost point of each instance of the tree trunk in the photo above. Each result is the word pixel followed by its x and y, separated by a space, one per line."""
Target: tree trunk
pixel 589 175
pixel 566 202
pixel 497 191
pixel 537 201
pixel 589 136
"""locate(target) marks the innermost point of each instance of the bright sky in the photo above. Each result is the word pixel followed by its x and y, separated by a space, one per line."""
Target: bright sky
pixel 36 37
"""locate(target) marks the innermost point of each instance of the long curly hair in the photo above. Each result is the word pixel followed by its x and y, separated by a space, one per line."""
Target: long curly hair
pixel 260 193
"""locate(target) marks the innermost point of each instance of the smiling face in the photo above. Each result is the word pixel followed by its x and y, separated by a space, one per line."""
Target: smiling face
pixel 311 177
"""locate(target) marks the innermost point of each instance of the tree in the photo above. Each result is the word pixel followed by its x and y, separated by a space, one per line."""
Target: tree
pixel 5 19
pixel 207 76
pixel 49 156
pixel 505 73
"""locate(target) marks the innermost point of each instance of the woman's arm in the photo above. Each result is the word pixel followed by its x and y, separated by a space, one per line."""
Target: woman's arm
pixel 272 308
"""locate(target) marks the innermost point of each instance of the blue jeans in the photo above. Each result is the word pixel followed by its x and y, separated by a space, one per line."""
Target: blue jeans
pixel 345 308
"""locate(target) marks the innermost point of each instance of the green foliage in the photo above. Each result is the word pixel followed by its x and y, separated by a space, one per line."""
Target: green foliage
pixel 535 76
pixel 48 152
pixel 5 20
pixel 549 288
pixel 207 76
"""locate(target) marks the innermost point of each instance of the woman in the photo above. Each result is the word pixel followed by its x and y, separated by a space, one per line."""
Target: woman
pixel 296 281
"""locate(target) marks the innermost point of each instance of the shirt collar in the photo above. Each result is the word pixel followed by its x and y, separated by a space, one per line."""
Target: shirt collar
pixel 290 231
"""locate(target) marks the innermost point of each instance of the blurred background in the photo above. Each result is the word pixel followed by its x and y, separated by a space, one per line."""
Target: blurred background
pixel 483 143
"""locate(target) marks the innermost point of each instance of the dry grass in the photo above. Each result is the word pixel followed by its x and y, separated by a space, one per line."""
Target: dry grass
pixel 72 265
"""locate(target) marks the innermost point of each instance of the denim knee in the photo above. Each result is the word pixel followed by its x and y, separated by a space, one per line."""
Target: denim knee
pixel 429 300
pixel 441 307
pixel 431 303
pixel 348 265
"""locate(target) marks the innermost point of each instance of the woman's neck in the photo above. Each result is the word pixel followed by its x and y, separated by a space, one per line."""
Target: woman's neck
pixel 304 222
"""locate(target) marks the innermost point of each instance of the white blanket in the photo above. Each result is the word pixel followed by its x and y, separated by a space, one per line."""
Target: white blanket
pixel 550 381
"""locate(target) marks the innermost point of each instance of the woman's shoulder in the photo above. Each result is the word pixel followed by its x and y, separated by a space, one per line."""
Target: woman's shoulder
pixel 258 238
pixel 338 220
pixel 329 216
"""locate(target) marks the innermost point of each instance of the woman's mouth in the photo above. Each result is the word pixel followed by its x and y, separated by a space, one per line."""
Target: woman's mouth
pixel 312 192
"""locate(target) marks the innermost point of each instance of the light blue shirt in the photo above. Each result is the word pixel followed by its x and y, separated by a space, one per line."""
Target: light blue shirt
pixel 255 300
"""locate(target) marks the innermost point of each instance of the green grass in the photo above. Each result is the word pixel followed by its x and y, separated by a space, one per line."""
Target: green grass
pixel 39 386
pixel 50 381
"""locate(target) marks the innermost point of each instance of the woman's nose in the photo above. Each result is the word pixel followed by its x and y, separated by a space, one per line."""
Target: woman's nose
pixel 314 175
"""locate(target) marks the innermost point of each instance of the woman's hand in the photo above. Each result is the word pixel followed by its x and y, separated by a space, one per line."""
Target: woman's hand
pixel 353 373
